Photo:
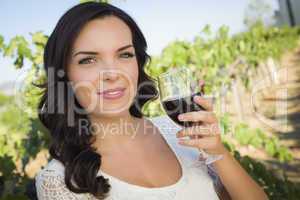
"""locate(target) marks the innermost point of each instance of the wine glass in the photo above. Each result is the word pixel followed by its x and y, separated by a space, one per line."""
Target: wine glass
pixel 177 87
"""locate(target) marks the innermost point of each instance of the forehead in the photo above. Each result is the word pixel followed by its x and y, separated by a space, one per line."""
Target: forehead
pixel 103 33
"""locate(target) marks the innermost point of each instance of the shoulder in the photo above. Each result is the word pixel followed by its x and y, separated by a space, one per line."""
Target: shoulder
pixel 52 175
pixel 50 183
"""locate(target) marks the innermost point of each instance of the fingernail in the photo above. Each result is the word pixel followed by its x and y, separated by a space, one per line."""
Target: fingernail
pixel 196 97
pixel 180 141
pixel 180 117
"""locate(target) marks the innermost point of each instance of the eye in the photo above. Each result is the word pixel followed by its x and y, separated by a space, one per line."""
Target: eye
pixel 127 55
pixel 87 60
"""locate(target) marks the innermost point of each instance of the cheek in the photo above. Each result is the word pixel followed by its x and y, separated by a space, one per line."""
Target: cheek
pixel 133 72
pixel 133 75
pixel 83 84
pixel 77 74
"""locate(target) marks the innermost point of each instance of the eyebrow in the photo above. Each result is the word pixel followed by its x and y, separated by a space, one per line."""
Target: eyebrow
pixel 95 53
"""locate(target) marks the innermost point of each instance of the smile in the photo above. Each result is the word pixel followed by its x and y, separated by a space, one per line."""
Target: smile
pixel 113 93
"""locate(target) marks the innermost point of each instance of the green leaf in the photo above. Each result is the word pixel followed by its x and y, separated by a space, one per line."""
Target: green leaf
pixel 207 30
pixel 270 148
pixel 23 48
pixel 19 62
pixel 242 46
pixel 39 38
pixel 1 42
pixel 11 47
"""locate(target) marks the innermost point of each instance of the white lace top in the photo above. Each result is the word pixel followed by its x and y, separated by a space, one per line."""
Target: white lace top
pixel 195 182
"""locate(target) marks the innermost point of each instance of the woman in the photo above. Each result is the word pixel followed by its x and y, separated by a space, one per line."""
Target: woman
pixel 102 146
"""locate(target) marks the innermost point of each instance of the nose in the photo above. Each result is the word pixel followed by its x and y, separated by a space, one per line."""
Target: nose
pixel 109 69
pixel 110 75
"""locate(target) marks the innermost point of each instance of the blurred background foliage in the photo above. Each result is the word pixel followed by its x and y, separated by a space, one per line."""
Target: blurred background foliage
pixel 223 61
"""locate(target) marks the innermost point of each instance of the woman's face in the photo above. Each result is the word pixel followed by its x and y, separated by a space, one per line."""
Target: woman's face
pixel 102 59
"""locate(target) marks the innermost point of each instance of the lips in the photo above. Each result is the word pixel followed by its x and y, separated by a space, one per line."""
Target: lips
pixel 112 93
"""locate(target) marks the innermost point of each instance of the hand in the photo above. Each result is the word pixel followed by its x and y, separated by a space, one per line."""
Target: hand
pixel 206 136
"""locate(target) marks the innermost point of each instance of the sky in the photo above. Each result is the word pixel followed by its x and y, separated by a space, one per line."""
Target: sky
pixel 161 21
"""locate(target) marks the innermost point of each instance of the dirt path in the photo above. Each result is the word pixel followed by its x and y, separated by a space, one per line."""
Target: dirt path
pixel 291 136
pixel 277 112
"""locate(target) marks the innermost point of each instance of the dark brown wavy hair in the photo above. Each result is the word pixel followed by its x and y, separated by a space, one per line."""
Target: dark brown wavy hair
pixel 74 150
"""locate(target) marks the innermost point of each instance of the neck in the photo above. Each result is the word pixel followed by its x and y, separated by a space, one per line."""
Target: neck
pixel 116 131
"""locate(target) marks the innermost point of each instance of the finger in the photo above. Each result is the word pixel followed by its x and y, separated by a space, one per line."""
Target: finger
pixel 204 102
pixel 204 130
pixel 202 143
pixel 195 136
pixel 198 116
pixel 201 85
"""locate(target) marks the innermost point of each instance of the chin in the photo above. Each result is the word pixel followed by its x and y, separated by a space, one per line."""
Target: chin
pixel 111 113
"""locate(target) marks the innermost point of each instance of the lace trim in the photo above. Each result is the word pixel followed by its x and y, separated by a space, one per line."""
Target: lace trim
pixel 50 185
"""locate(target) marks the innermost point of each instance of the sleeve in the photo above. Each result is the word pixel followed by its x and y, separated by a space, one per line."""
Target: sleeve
pixel 50 185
